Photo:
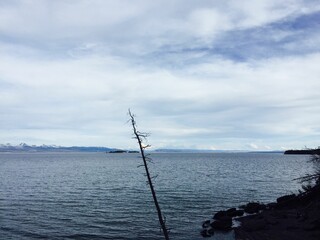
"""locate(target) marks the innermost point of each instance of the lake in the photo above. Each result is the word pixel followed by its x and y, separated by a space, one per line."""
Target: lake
pixel 105 196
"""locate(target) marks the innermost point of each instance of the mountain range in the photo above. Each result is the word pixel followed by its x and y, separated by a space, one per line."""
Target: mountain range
pixel 23 147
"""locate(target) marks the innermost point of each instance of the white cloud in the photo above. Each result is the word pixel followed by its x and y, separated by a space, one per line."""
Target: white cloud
pixel 69 72
pixel 254 146
pixel 208 22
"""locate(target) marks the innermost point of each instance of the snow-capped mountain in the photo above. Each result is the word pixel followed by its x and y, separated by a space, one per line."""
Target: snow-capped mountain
pixel 23 147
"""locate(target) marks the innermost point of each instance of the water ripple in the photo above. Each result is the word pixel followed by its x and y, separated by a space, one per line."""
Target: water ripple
pixel 99 196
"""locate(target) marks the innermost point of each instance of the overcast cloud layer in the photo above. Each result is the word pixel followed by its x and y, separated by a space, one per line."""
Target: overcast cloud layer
pixel 198 74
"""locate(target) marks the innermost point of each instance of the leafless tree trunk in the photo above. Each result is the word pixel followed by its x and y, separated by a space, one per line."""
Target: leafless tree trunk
pixel 139 136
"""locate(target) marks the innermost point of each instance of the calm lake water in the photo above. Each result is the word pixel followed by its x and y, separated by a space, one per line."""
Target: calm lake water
pixel 105 196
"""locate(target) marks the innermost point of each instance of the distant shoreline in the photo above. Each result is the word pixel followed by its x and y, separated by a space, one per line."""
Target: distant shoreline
pixel 23 147
pixel 303 152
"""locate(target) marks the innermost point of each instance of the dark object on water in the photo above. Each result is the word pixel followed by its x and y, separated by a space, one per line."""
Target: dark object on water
pixel 117 151
pixel 122 151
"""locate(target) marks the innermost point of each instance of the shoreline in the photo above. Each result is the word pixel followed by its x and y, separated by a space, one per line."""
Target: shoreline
pixel 293 217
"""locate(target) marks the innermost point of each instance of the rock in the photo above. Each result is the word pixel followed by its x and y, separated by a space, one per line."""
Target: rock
pixel 224 223
pixel 262 206
pixel 206 224
pixel 226 219
pixel 220 214
pixel 292 227
pixel 210 231
pixel 239 213
pixel 315 225
pixel 205 233
pixel 254 225
pixel 272 221
pixel 254 207
pixel 235 213
pixel 231 210
pixel 271 205
pixel 286 198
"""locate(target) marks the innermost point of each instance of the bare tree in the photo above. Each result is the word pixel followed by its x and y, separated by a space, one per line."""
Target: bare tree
pixel 140 136
pixel 315 176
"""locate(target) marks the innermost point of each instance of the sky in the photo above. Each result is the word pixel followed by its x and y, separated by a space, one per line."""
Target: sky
pixel 204 74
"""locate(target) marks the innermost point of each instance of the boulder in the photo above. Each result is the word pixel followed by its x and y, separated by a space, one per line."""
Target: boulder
pixel 206 224
pixel 272 205
pixel 254 225
pixel 254 207
pixel 286 198
pixel 220 214
pixel 230 211
pixel 223 224
pixel 207 233
pixel 312 226
pixel 238 213
pixel 210 231
pixel 233 212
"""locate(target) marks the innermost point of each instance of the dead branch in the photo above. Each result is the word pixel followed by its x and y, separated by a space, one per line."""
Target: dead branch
pixel 139 136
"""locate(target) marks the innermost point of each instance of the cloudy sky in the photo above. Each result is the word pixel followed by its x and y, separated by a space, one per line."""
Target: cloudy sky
pixel 197 74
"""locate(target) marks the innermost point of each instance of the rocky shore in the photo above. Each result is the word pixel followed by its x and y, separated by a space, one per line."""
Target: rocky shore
pixel 291 217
